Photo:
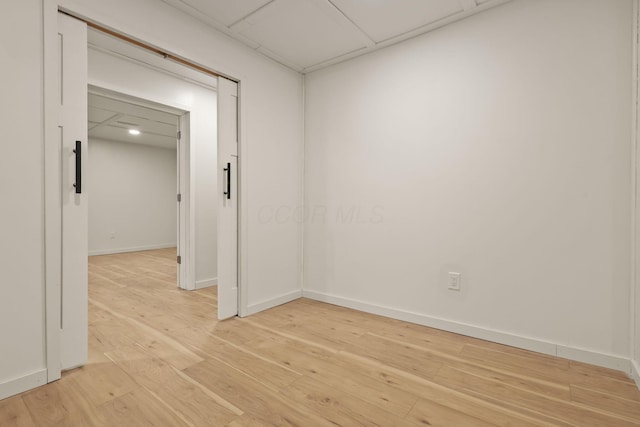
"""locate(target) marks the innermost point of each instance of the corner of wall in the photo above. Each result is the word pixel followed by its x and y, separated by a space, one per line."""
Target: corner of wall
pixel 303 180
pixel 635 372
pixel 634 288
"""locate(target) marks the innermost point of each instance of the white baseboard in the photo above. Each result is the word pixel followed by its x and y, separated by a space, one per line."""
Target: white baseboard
pixel 200 284
pixel 527 343
pixel 273 302
pixel 96 252
pixel 594 358
pixel 27 382
pixel 635 372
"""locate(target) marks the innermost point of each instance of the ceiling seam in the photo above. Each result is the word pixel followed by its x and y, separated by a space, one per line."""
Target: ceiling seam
pixel 250 14
pixel 372 42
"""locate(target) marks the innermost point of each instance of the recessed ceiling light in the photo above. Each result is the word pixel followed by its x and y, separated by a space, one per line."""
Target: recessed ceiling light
pixel 134 131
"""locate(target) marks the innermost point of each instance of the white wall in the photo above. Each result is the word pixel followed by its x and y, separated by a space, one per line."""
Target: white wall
pixel 206 203
pixel 21 189
pixel 271 136
pixel 132 197
pixel 497 147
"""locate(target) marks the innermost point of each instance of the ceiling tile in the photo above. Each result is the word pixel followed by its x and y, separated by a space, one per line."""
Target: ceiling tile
pixel 111 119
pixel 116 106
pixel 147 125
pixel 117 134
pixel 226 12
pixel 301 31
pixel 385 19
pixel 98 115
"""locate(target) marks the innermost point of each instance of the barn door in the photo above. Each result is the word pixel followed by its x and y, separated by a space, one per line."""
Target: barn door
pixel 227 198
pixel 72 125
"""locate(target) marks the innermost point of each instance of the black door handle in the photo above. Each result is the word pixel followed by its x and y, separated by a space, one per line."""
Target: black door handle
pixel 78 152
pixel 228 171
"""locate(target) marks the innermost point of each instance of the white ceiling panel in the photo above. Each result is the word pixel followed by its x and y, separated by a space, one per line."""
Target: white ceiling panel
pixel 226 12
pixel 119 134
pixel 306 35
pixel 385 19
pixel 302 31
pixel 111 119
pixel 98 115
pixel 116 106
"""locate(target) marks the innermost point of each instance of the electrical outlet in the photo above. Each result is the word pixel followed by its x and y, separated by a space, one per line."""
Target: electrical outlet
pixel 112 235
pixel 454 281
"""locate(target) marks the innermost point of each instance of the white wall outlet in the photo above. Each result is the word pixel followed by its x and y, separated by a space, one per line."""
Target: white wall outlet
pixel 112 235
pixel 454 281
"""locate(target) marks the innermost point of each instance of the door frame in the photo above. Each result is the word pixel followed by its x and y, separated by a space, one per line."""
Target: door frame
pixel 52 212
pixel 186 210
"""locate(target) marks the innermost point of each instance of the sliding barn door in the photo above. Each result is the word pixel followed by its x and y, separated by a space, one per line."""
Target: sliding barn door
pixel 228 198
pixel 72 125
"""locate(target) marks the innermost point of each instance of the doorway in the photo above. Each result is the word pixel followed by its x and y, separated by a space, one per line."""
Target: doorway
pixel 71 207
pixel 133 170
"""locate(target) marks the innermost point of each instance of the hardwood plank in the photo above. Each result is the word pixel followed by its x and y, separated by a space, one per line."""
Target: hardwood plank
pixel 249 420
pixel 186 396
pixel 14 413
pixel 159 344
pixel 192 402
pixel 57 404
pixel 535 364
pixel 139 408
pixel 606 401
pixel 109 335
pixel 415 361
pixel 177 355
pixel 138 363
pixel 251 396
pixel 336 373
pixel 436 415
pixel 81 406
pixel 593 380
pixel 480 406
pixel 562 410
pixel 337 406
pixel 499 372
pixel 242 358
pixel 103 382
pixel 592 370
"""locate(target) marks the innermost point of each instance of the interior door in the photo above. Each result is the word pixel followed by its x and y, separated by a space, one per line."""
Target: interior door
pixel 227 198
pixel 179 212
pixel 72 125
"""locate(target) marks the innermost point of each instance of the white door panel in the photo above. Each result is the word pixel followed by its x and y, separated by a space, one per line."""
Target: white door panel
pixel 73 127
pixel 228 198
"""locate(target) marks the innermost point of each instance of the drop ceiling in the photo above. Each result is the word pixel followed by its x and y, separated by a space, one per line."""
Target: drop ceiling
pixel 111 119
pixel 307 35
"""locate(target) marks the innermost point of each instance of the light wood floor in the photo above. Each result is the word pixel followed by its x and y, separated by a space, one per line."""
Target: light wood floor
pixel 158 357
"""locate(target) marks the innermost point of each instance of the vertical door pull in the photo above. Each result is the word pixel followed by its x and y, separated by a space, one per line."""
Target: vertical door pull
pixel 78 152
pixel 228 171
